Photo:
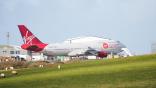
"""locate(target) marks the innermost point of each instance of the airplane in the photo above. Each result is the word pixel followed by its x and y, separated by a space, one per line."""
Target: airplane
pixel 81 46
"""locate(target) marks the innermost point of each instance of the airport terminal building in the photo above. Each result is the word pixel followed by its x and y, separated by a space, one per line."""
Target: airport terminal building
pixel 11 51
pixel 18 53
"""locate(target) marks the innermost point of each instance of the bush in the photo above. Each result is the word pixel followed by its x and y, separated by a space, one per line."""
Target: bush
pixel 20 64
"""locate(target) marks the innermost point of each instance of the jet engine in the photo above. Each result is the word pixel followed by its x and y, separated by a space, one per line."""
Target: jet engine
pixel 102 54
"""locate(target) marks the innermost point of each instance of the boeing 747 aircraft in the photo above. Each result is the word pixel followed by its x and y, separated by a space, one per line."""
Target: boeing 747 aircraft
pixel 99 47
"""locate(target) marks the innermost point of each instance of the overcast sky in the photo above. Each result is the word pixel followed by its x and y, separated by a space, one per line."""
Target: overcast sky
pixel 133 22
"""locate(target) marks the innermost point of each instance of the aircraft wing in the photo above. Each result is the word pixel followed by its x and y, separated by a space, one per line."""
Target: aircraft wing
pixel 80 52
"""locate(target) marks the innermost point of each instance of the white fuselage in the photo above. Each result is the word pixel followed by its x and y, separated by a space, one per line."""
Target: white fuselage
pixel 82 44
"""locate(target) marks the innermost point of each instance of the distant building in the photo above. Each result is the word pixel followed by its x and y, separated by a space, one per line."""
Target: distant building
pixel 153 47
pixel 11 51
pixel 19 53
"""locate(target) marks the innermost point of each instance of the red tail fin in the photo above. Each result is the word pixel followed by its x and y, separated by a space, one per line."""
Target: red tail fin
pixel 27 36
pixel 31 42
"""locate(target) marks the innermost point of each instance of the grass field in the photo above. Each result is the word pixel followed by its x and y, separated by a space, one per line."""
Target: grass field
pixel 133 72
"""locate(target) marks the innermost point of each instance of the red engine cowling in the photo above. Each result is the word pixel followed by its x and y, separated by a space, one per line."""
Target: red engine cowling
pixel 35 47
pixel 102 54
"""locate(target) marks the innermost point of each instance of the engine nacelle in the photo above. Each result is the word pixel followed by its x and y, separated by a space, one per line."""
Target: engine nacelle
pixel 102 54
pixel 34 47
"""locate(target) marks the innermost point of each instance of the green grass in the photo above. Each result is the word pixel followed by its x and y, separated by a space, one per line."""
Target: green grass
pixel 133 72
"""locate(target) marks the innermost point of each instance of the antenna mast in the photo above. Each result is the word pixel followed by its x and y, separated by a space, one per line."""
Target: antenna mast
pixel 8 38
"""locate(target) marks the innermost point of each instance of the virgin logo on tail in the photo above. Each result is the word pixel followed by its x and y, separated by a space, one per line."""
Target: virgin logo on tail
pixel 28 39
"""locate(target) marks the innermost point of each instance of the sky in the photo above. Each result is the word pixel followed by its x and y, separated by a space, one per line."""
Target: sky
pixel 133 22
